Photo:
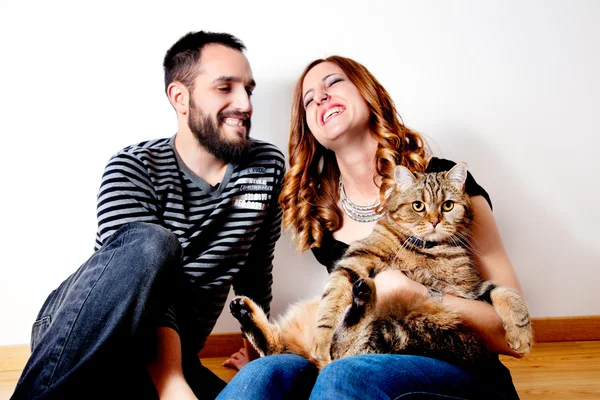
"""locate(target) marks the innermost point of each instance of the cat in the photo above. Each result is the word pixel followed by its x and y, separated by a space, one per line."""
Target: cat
pixel 425 234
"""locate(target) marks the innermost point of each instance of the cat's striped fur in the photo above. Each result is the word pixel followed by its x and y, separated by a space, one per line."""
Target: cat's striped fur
pixel 425 234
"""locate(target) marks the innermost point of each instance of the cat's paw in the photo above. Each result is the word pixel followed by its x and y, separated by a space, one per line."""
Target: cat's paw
pixel 241 310
pixel 255 325
pixel 322 363
pixel 519 334
pixel 320 350
pixel 362 291
pixel 512 309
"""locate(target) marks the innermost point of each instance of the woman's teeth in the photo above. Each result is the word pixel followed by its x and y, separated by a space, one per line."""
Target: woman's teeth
pixel 332 111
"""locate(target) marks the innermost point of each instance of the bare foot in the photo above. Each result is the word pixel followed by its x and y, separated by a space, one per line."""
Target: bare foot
pixel 237 360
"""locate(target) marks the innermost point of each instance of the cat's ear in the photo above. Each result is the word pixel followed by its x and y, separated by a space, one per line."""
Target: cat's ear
pixel 458 175
pixel 403 177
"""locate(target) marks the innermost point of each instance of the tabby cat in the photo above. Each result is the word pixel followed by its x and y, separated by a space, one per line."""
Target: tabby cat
pixel 425 235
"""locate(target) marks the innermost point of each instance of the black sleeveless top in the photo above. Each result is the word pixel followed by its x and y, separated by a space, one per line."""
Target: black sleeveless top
pixel 332 250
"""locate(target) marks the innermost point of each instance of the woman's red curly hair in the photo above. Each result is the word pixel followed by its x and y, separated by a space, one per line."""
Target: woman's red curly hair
pixel 310 194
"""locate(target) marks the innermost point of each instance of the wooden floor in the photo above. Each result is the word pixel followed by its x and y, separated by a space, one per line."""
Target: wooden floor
pixel 553 370
pixel 558 370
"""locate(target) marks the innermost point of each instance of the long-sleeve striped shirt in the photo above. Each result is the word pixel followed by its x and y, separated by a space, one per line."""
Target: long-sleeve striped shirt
pixel 227 233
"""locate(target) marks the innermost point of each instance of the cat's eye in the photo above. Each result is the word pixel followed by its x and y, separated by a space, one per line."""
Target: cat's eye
pixel 418 206
pixel 448 205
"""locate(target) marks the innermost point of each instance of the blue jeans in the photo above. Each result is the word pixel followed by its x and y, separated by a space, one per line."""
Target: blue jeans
pixel 367 377
pixel 95 333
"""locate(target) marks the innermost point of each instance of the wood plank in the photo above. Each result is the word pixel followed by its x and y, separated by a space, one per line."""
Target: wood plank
pixel 8 382
pixel 215 365
pixel 13 358
pixel 565 329
pixel 564 363
pixel 558 329
pixel 224 344
pixel 12 361
pixel 221 345
pixel 557 370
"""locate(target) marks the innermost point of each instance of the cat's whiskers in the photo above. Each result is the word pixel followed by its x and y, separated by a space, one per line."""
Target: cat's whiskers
pixel 459 238
pixel 403 247
pixel 466 240
pixel 473 224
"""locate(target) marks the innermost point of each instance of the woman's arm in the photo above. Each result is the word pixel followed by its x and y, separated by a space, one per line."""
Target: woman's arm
pixel 490 256
pixel 493 263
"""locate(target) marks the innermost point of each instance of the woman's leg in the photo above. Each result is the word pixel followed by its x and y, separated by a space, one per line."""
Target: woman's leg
pixel 387 376
pixel 83 342
pixel 284 376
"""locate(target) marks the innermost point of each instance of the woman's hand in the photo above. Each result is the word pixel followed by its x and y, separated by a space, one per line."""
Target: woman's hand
pixel 395 283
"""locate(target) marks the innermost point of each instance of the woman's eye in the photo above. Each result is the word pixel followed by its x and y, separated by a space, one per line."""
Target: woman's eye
pixel 224 89
pixel 334 81
pixel 250 92
pixel 448 205
pixel 418 206
pixel 307 102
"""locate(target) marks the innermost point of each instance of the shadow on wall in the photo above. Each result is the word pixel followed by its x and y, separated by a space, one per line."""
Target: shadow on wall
pixel 272 109
pixel 295 276
pixel 555 268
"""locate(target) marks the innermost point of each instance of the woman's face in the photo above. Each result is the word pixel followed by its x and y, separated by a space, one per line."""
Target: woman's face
pixel 334 106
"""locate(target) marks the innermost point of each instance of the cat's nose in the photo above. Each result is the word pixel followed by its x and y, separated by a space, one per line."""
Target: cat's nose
pixel 434 222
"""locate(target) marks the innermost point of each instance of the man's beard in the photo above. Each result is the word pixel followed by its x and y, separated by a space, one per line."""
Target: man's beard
pixel 210 135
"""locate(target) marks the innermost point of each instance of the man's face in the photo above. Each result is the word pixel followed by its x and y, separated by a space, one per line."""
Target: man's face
pixel 220 107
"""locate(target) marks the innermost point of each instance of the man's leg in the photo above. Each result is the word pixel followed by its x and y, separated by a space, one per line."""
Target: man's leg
pixel 205 384
pixel 285 376
pixel 95 327
pixel 387 376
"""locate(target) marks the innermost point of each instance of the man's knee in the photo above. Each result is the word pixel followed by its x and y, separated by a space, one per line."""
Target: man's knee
pixel 157 240
pixel 148 250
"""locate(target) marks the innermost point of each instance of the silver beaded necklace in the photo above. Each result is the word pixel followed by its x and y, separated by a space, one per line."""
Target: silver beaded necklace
pixel 359 213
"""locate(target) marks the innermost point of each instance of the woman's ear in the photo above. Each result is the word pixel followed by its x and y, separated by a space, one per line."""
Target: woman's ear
pixel 178 95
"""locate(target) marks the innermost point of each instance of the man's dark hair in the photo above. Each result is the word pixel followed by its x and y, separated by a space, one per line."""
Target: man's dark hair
pixel 181 61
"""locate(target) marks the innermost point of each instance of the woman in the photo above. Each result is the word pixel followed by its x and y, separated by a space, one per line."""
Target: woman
pixel 346 139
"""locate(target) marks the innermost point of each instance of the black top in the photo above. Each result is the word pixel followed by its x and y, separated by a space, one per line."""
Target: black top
pixel 332 250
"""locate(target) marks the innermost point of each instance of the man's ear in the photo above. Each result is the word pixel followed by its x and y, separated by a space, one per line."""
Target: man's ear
pixel 178 95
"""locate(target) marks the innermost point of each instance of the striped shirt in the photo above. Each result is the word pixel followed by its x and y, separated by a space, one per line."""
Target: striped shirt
pixel 227 233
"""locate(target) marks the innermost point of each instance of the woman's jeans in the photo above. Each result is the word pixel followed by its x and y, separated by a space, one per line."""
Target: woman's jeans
pixel 367 377
pixel 95 333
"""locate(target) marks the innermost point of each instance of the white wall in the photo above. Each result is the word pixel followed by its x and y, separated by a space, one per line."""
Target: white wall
pixel 511 87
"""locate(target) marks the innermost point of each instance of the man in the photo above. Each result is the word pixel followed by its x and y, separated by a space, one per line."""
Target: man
pixel 180 220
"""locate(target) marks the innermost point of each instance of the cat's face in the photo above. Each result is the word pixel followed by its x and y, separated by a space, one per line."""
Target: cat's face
pixel 431 206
